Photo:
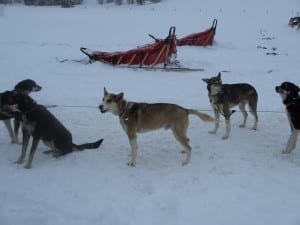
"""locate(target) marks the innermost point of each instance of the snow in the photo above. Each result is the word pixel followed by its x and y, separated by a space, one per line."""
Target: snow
pixel 243 180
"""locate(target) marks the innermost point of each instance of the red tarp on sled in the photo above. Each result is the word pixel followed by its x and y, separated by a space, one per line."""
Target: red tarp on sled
pixel 200 39
pixel 149 55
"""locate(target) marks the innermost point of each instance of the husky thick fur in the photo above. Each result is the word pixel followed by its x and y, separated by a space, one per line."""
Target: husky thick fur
pixel 223 97
pixel 25 87
pixel 295 21
pixel 41 124
pixel 142 117
pixel 289 93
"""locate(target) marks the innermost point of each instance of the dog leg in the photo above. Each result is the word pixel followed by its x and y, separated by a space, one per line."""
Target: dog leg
pixel 26 137
pixel 133 145
pixel 227 123
pixel 17 123
pixel 217 116
pixel 34 146
pixel 245 114
pixel 253 110
pixel 187 149
pixel 179 132
pixel 255 120
pixel 291 144
pixel 12 134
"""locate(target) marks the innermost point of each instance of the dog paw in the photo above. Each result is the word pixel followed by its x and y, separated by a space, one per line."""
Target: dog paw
pixel 56 154
pixel 48 152
pixel 16 142
pixel 184 163
pixel 27 166
pixel 242 126
pixel 212 132
pixel 19 161
pixel 132 164
pixel 225 137
pixel 285 152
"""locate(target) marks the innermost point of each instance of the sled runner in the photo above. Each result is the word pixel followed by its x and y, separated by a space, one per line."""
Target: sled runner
pixel 149 55
pixel 200 39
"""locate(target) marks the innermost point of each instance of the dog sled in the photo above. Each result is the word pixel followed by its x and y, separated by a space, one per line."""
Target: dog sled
pixel 155 56
pixel 204 38
pixel 149 55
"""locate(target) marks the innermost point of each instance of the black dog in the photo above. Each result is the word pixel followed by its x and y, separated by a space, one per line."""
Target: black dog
pixel 289 93
pixel 25 87
pixel 41 124
pixel 295 21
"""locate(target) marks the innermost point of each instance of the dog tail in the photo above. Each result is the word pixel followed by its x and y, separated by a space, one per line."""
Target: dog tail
pixel 92 145
pixel 202 116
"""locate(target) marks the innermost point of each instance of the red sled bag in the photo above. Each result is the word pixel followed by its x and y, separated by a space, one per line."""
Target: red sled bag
pixel 150 55
pixel 200 39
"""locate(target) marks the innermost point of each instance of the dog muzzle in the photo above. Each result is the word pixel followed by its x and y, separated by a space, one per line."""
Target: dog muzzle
pixel 102 110
pixel 277 89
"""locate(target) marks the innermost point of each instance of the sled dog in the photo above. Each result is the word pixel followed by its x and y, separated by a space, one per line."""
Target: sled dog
pixel 295 21
pixel 25 87
pixel 142 117
pixel 41 124
pixel 289 93
pixel 223 97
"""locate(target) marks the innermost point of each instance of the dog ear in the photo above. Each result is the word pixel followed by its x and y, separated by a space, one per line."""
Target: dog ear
pixel 120 96
pixel 105 92
pixel 219 75
pixel 205 80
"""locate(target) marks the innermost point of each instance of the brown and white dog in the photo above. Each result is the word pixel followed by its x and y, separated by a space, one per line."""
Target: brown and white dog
pixel 142 117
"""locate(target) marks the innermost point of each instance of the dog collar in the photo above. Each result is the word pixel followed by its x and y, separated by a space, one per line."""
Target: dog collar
pixel 30 110
pixel 217 94
pixel 126 107
pixel 292 102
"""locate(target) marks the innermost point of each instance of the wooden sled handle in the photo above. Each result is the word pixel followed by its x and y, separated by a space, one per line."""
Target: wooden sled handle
pixel 91 57
pixel 214 24
pixel 172 31
pixel 155 39
pixel 84 51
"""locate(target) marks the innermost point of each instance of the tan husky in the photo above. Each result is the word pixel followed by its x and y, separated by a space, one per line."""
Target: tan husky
pixel 142 117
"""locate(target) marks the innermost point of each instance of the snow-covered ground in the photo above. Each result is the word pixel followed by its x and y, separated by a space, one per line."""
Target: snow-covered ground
pixel 242 180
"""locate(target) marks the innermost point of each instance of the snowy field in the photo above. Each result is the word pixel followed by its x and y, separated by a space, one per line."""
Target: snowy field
pixel 244 180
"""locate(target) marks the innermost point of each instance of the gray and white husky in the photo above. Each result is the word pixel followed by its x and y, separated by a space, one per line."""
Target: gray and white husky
pixel 223 97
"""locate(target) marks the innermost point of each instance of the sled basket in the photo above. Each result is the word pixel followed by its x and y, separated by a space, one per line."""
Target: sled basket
pixel 200 39
pixel 149 55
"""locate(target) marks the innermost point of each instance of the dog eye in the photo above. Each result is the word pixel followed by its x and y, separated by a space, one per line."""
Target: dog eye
pixel 108 101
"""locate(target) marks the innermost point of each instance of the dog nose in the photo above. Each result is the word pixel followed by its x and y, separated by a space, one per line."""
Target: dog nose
pixel 101 108
pixel 277 88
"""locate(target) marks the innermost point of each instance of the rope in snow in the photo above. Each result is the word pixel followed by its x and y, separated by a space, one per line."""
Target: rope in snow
pixel 71 106
pixel 96 107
